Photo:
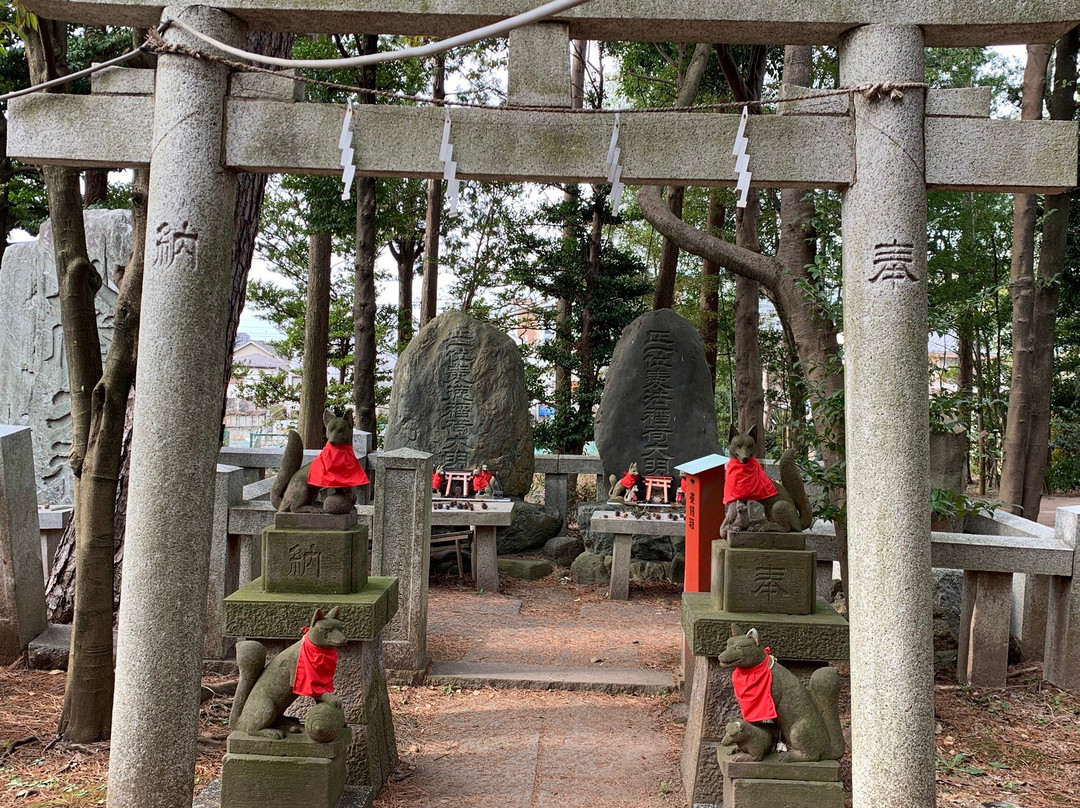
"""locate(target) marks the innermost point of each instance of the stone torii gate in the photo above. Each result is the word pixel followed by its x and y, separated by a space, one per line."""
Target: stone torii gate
pixel 196 133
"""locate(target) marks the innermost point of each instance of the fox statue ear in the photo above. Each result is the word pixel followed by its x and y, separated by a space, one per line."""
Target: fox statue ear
pixel 333 613
pixel 349 416
pixel 752 634
pixel 733 432
pixel 315 618
pixel 753 433
pixel 734 629
pixel 327 417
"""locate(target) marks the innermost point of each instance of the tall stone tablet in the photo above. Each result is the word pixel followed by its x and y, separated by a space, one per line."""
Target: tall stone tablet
pixel 459 393
pixel 657 409
pixel 34 388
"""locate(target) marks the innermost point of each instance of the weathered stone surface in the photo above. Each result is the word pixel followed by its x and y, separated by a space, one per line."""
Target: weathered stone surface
pixel 330 562
pixel 22 590
pixel 315 521
pixel 459 393
pixel 657 409
pixel 527 569
pixel 401 547
pixel 747 793
pixel 768 541
pixel 550 677
pixel 533 525
pixel 255 781
pixel 650 570
pixel 34 389
pixel 948 24
pixel 562 550
pixel 645 546
pixel 948 461
pixel 539 70
pixel 771 768
pixel 771 581
pixel 821 636
pixel 590 569
pixel 292 745
pixel 885 310
pixel 253 612
pixel 49 650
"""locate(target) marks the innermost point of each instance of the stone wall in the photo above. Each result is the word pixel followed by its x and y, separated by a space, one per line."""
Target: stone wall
pixel 34 387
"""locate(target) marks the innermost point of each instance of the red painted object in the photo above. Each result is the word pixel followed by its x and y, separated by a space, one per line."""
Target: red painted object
pixel 704 514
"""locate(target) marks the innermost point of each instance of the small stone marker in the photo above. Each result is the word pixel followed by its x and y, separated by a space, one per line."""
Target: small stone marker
pixel 459 393
pixel 22 590
pixel 657 409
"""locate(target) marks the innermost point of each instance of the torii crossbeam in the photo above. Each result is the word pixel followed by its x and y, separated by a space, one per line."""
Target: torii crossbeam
pixel 883 155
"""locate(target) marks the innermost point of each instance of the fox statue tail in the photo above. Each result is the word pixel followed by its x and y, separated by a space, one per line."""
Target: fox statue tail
pixel 250 659
pixel 793 484
pixel 291 461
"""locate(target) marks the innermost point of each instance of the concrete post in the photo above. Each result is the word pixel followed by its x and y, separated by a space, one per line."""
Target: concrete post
pixel 401 547
pixel 1061 658
pixel 619 588
pixel 224 561
pixel 887 412
pixel 22 590
pixel 485 558
pixel 177 427
pixel 983 656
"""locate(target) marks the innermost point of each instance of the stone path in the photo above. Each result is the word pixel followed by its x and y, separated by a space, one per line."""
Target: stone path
pixel 525 749
pixel 1050 504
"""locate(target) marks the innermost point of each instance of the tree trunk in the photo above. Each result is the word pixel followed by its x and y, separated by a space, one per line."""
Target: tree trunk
pixel 95 186
pixel 1018 426
pixel 429 290
pixel 1052 251
pixel 250 190
pixel 405 254
pixel 588 375
pixel 749 392
pixel 316 339
pixel 669 254
pixel 364 288
pixel 88 698
pixel 710 285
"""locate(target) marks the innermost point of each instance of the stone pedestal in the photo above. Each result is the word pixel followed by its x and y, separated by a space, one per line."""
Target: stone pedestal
pixel 770 783
pixel 983 654
pixel 295 771
pixel 326 562
pixel 360 680
pixel 814 638
pixel 764 572
pixel 620 567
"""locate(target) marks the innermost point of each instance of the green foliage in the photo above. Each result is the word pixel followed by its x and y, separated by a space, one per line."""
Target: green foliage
pixel 946 503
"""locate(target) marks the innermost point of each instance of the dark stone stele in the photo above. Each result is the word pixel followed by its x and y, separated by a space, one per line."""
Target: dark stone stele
pixel 657 409
pixel 459 393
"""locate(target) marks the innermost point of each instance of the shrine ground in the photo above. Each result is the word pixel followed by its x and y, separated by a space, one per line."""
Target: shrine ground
pixel 538 749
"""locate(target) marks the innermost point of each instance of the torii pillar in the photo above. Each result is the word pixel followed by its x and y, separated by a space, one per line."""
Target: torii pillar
pixel 887 440
pixel 177 427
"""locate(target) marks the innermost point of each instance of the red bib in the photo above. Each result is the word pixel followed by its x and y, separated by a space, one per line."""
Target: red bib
pixel 314 669
pixel 629 481
pixel 746 481
pixel 436 481
pixel 753 690
pixel 336 467
pixel 480 481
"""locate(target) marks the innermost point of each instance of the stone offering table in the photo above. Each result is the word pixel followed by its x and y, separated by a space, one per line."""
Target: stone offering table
pixel 814 638
pixel 662 523
pixel 483 516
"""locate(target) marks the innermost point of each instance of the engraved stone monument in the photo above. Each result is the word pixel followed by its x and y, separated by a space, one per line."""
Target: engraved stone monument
pixel 33 367
pixel 657 409
pixel 459 393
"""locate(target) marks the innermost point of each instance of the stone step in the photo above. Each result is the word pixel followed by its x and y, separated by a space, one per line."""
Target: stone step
pixel 550 677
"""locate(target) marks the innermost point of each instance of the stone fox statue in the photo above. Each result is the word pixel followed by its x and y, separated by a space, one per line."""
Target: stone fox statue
pixel 808 717
pixel 787 507
pixel 263 694
pixel 627 487
pixel 292 490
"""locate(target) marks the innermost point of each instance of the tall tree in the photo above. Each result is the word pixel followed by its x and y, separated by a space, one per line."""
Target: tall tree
pixel 1020 439
pixel 316 337
pixel 688 84
pixel 429 293
pixel 364 304
pixel 710 284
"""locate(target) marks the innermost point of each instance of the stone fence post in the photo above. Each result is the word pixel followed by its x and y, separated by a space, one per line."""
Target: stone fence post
pixel 22 590
pixel 1061 656
pixel 224 560
pixel 401 547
